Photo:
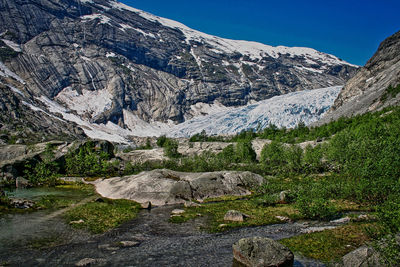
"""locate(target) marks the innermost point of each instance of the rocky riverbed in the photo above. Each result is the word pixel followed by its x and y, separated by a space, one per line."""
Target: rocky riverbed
pixel 148 240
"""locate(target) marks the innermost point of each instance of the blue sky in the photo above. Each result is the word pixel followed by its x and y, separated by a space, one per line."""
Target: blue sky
pixel 351 30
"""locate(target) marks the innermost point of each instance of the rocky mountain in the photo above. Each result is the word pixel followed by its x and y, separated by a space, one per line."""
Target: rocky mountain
pixel 103 65
pixel 375 86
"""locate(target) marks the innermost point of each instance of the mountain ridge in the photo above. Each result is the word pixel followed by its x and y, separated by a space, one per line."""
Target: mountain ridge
pixel 143 67
pixel 368 90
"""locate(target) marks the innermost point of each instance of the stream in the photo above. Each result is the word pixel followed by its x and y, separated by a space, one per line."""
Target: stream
pixel 154 241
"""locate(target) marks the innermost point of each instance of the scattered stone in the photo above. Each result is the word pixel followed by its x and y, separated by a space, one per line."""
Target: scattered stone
pixel 22 203
pixel 259 251
pixel 127 244
pixel 283 218
pixel 146 205
pixel 362 257
pixel 235 216
pixel 342 220
pixel 283 196
pixel 91 261
pixel 19 141
pixel 77 222
pixel 222 225
pixel 177 212
pixel 317 229
pixel 21 182
pixel 189 204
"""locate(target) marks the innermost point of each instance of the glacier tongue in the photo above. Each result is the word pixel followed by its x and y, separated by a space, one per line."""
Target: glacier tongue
pixel 283 111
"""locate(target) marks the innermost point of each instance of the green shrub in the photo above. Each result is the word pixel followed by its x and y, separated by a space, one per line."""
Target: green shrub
pixel 313 159
pixel 171 148
pixel 273 156
pixel 369 155
pixel 390 92
pixel 312 202
pixel 87 160
pixel 161 141
pixel 44 172
pixel 294 158
pixel 315 207
pixel 245 152
pixel 389 214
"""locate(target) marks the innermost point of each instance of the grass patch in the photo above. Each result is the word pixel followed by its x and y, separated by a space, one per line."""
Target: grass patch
pixel 330 245
pixel 98 217
pixel 258 215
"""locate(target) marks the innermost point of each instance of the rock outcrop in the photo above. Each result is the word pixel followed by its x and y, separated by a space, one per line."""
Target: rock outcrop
pixel 107 63
pixel 162 187
pixel 259 252
pixel 366 90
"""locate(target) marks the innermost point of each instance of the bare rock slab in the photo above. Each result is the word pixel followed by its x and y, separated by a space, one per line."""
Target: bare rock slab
pixel 259 251
pixel 162 187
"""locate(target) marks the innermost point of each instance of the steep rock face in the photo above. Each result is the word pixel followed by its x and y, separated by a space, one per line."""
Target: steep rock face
pixel 107 62
pixel 367 90
pixel 19 123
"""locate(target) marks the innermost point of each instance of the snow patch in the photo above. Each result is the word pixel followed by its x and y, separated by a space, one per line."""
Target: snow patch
pixel 308 69
pixel 15 90
pixel 89 102
pixel 103 19
pixel 110 54
pixel 12 45
pixel 6 72
pixel 142 128
pixel 109 131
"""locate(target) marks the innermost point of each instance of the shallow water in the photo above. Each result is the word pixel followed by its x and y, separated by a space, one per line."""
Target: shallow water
pixel 37 193
pixel 24 230
pixel 160 243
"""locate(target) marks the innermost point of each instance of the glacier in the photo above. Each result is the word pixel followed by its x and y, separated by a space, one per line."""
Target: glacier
pixel 287 111
pixel 283 111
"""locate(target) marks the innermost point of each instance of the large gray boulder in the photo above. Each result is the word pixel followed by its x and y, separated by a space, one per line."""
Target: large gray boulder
pixel 362 257
pixel 162 187
pixel 259 251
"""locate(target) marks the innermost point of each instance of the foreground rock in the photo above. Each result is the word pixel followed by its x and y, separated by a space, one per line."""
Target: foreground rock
pixel 362 257
pixel 258 251
pixel 162 187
